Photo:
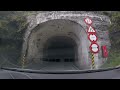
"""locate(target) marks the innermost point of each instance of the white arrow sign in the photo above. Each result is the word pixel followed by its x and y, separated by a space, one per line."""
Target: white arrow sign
pixel 88 21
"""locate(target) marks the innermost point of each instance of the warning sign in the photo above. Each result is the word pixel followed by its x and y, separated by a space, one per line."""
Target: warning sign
pixel 94 47
pixel 92 37
pixel 91 30
pixel 88 21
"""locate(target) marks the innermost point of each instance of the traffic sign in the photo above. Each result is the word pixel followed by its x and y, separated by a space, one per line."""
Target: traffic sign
pixel 94 47
pixel 88 21
pixel 105 51
pixel 91 30
pixel 92 37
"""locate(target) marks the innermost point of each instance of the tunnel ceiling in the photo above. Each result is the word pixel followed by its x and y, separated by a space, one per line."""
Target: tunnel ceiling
pixel 60 42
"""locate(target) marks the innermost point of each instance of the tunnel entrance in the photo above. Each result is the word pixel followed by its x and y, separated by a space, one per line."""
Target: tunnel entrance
pixel 58 43
pixel 60 49
pixel 59 53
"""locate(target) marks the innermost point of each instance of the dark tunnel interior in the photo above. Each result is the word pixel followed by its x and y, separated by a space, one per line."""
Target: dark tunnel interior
pixel 59 53
pixel 60 49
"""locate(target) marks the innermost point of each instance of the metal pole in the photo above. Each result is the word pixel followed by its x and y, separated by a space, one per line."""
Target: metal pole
pixel 93 61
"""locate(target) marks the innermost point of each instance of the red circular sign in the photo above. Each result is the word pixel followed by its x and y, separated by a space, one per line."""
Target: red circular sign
pixel 88 21
pixel 92 37
pixel 94 47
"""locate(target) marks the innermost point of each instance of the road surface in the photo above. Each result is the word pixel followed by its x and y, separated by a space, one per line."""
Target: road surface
pixel 110 74
pixel 54 66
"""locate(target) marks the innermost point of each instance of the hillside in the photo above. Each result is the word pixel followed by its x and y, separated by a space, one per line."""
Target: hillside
pixel 114 30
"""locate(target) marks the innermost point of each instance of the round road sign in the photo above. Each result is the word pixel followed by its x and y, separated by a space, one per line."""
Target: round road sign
pixel 94 47
pixel 88 21
pixel 92 37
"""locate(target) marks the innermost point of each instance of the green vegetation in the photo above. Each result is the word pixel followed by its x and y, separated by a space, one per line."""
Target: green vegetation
pixel 12 28
pixel 13 24
pixel 114 29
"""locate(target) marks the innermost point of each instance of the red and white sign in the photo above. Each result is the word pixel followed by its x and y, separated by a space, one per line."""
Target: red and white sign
pixel 88 21
pixel 94 47
pixel 105 51
pixel 91 30
pixel 92 37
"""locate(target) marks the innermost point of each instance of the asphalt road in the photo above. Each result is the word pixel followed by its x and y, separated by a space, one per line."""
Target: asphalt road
pixel 59 66
pixel 111 74
pixel 53 66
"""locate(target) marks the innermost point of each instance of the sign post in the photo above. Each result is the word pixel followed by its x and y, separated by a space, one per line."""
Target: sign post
pixel 93 62
pixel 94 47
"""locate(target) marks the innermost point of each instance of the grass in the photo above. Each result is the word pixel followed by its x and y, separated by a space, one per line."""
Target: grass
pixel 113 59
pixel 9 55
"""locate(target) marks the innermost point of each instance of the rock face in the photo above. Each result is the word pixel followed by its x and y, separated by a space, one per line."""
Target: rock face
pixel 58 33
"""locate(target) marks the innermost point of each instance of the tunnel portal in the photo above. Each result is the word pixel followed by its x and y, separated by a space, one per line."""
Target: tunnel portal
pixel 60 43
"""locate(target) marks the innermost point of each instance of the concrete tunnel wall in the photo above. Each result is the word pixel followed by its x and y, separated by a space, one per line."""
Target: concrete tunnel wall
pixel 63 28
pixel 45 25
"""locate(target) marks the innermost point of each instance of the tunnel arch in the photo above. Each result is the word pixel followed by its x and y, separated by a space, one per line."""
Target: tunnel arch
pixel 58 28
